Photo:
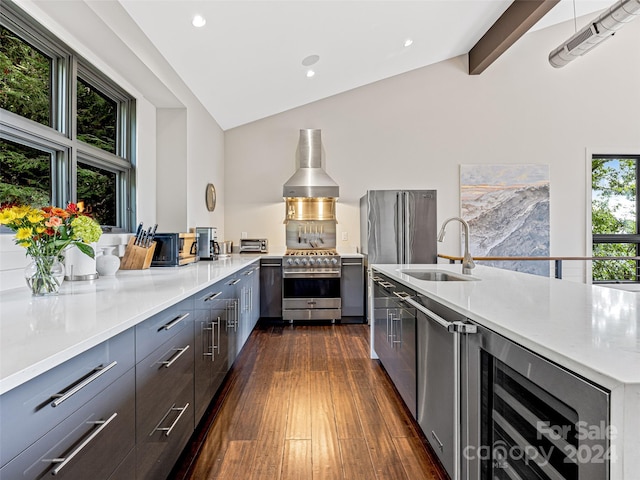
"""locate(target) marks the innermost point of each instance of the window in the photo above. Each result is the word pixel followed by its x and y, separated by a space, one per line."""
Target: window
pixel 26 79
pixel 97 117
pixel 615 218
pixel 25 173
pixel 66 130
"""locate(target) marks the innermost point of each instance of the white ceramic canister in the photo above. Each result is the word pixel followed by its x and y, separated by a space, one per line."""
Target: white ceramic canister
pixel 107 263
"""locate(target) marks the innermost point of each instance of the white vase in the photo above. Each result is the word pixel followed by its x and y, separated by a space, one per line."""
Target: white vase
pixel 107 263
pixel 77 265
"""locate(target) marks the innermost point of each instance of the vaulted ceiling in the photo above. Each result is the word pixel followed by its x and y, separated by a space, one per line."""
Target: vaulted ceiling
pixel 251 58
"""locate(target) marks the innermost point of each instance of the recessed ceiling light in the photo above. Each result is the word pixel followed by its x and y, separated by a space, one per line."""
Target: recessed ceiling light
pixel 408 42
pixel 310 73
pixel 310 60
pixel 198 21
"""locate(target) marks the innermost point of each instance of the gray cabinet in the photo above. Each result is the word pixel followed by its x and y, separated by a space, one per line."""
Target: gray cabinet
pixel 271 287
pixel 232 294
pixel 352 287
pixel 211 346
pixel 249 300
pixel 164 390
pixel 89 443
pixel 126 408
pixel 29 411
pixel 395 337
pixel 242 297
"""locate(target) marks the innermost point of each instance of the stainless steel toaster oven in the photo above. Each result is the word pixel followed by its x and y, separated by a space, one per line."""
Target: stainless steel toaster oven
pixel 254 245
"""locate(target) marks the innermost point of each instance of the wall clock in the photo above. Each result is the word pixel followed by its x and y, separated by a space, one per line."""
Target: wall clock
pixel 210 197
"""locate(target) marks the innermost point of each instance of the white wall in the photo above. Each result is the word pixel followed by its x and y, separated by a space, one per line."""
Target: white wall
pixel 414 130
pixel 179 146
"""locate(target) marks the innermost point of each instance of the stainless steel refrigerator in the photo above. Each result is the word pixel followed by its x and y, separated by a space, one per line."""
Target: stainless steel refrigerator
pixel 398 226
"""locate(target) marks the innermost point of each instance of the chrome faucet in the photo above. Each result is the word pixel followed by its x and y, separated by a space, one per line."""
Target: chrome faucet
pixel 467 260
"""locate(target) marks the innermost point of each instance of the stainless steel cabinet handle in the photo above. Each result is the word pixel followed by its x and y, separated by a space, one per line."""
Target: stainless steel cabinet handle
pixel 98 371
pixel 435 437
pixel 167 430
pixel 234 282
pixel 387 284
pixel 212 296
pixel 396 339
pixel 63 461
pixel 217 347
pixel 174 322
pixel 351 263
pixel 271 265
pixel 176 356
pixel 435 317
pixel 209 348
pixel 401 295
pixel 250 272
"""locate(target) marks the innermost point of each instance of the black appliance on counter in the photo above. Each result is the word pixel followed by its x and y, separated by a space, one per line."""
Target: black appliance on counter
pixel 175 249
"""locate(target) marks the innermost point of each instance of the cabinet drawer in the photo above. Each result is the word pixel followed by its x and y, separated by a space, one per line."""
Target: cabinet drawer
pixel 210 297
pixel 91 443
pixel 29 411
pixel 159 378
pixel 156 330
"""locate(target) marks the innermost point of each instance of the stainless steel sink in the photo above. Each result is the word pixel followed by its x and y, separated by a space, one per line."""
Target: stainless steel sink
pixel 438 276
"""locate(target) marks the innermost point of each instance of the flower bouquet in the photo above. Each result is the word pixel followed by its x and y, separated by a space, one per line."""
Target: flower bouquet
pixel 45 233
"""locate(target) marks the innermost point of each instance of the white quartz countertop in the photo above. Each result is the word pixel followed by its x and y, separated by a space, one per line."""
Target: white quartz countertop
pixel 591 330
pixel 38 333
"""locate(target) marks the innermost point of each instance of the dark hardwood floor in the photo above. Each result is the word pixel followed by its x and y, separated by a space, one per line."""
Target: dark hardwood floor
pixel 307 402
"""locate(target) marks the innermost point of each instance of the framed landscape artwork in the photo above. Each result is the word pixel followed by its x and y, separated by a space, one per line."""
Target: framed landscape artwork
pixel 507 208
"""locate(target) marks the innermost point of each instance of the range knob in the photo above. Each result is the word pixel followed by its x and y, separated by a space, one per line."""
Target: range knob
pixel 312 261
pixel 326 260
pixel 297 261
pixel 305 261
pixel 334 261
pixel 289 261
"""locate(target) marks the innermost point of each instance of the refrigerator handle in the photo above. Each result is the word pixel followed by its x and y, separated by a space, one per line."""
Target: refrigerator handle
pixel 399 228
pixel 406 235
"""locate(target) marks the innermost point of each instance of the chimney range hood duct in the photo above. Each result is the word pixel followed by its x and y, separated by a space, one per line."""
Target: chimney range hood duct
pixel 603 27
pixel 310 180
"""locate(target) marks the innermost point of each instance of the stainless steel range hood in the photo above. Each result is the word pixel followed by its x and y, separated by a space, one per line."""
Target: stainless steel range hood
pixel 310 180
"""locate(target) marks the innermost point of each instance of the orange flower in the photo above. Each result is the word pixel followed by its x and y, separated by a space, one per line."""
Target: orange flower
pixel 55 212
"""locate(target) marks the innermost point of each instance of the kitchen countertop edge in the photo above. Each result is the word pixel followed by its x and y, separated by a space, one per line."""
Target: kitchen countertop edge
pixel 571 324
pixel 23 335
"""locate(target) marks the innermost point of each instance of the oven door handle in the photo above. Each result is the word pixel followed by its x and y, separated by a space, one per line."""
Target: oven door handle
pixel 307 274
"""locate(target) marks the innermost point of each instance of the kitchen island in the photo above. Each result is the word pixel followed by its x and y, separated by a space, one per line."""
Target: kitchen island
pixel 591 331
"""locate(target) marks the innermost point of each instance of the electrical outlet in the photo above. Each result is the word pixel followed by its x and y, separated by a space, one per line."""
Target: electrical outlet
pixel 345 236
pixel 243 234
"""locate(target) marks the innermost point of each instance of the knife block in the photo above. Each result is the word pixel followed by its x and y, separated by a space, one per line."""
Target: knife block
pixel 137 257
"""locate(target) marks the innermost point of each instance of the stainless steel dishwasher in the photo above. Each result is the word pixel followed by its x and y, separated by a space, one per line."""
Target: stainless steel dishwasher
pixel 438 373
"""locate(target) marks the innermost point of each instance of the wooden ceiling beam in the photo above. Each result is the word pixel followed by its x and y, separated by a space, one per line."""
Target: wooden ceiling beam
pixel 514 22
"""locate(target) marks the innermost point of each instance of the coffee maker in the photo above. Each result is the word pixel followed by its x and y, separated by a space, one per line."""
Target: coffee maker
pixel 208 247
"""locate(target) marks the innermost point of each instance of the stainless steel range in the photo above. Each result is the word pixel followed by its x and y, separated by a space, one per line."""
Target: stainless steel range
pixel 311 285
pixel 311 268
